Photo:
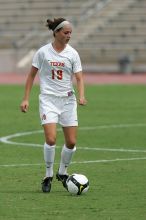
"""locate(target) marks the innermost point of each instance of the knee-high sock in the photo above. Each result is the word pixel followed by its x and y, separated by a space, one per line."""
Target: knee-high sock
pixel 49 155
pixel 66 157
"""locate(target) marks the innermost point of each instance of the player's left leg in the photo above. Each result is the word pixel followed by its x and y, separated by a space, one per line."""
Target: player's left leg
pixel 68 149
pixel 69 122
pixel 67 153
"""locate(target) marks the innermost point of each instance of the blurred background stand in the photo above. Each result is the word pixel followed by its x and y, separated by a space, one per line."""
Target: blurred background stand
pixel 125 64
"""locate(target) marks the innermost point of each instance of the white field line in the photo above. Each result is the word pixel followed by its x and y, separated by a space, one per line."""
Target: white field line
pixel 7 140
pixel 78 162
pixel 109 161
pixel 112 149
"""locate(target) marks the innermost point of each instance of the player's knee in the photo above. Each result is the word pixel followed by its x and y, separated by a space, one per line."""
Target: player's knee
pixel 51 141
pixel 71 144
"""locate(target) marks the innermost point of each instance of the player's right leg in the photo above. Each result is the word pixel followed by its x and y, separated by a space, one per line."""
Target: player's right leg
pixel 49 118
pixel 49 155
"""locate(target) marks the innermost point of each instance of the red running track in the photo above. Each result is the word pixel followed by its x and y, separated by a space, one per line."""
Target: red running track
pixel 89 78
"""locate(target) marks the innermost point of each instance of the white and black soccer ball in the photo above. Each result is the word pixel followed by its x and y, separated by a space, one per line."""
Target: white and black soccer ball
pixel 77 184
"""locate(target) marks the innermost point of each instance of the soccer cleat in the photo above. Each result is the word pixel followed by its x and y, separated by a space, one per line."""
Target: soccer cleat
pixel 62 178
pixel 46 184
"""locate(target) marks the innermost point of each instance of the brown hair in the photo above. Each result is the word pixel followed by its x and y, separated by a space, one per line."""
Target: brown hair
pixel 53 24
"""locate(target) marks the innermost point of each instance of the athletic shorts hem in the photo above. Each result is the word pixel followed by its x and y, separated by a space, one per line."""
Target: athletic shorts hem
pixel 62 125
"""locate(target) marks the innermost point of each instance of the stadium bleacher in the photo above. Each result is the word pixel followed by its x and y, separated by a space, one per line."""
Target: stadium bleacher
pixel 123 34
pixel 104 31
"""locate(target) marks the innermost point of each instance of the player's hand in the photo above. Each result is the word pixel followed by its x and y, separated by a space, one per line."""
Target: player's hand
pixel 82 101
pixel 24 106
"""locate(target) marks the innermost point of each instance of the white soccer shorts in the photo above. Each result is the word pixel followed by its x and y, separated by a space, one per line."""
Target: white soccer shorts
pixel 61 110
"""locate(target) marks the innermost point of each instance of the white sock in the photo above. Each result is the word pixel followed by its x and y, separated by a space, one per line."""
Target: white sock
pixel 66 156
pixel 49 155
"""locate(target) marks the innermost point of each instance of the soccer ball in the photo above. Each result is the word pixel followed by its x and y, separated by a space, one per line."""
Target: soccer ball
pixel 77 184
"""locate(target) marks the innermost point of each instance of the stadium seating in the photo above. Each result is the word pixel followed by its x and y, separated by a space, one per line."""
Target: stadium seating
pixel 18 20
pixel 123 34
pixel 104 31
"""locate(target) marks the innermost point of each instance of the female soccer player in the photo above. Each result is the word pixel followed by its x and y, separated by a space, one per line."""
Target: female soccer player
pixel 56 63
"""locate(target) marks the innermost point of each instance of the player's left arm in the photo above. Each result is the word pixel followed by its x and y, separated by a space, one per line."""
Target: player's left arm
pixel 80 87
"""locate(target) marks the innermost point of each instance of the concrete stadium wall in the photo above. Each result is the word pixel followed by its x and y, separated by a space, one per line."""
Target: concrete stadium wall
pixel 19 61
pixel 9 60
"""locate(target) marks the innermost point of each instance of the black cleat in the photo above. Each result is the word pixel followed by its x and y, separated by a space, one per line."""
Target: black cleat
pixel 46 184
pixel 62 178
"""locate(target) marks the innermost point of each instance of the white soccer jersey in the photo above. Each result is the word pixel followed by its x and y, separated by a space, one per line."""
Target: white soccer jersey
pixel 56 69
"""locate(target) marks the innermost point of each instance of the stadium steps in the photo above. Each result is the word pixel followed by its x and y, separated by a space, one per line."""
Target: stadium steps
pixel 103 30
pixel 123 34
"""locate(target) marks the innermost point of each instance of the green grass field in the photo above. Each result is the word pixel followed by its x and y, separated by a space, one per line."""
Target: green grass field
pixel 111 153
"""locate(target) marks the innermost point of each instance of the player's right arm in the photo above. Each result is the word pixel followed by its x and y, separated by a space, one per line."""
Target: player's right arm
pixel 29 82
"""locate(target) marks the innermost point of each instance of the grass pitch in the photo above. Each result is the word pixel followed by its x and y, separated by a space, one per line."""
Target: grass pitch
pixel 110 152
